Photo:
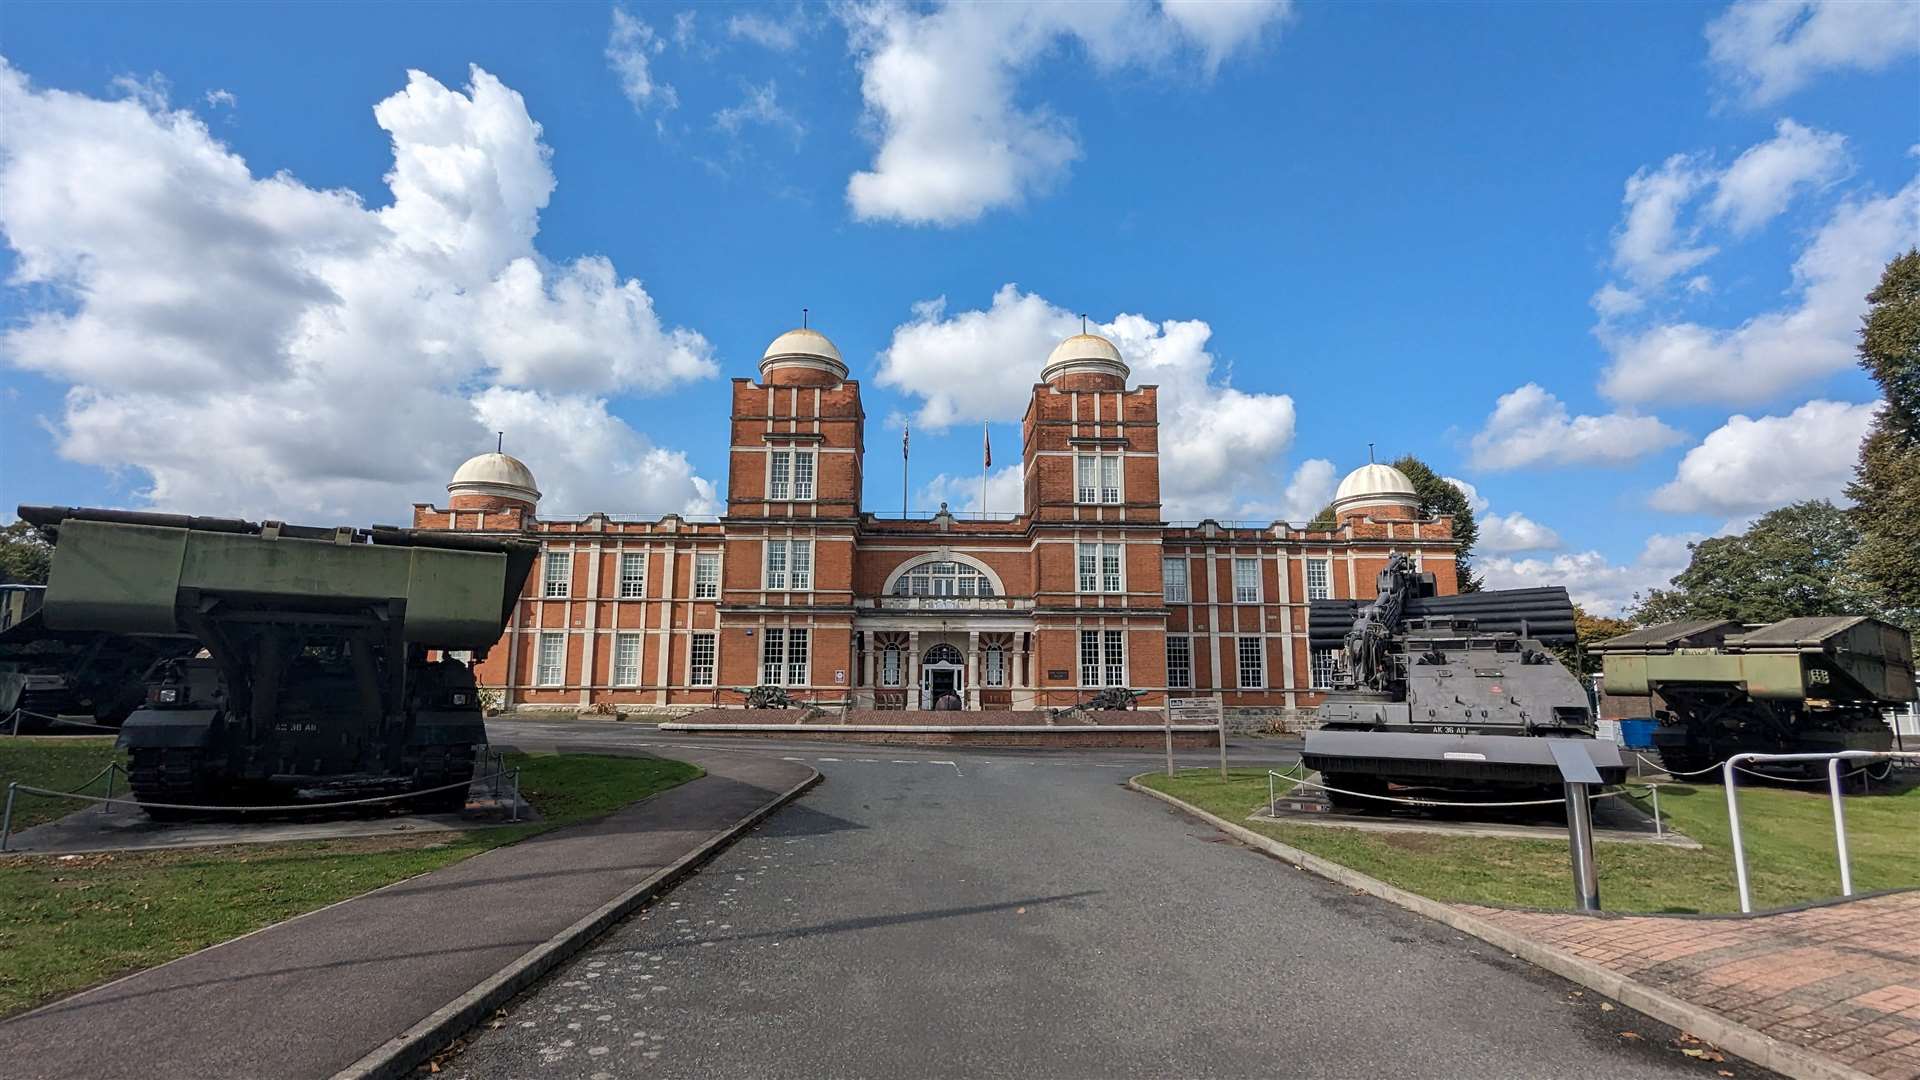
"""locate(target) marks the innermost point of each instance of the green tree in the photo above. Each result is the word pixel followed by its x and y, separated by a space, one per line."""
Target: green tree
pixel 1588 629
pixel 1797 560
pixel 1886 486
pixel 1437 496
pixel 24 556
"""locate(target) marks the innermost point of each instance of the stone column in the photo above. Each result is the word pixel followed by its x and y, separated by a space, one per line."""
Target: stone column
pixel 912 686
pixel 973 669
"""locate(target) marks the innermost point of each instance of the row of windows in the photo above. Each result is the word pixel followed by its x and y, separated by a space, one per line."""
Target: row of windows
pixel 784 656
pixel 550 664
pixel 1251 673
pixel 556 575
pixel 1246 580
pixel 789 565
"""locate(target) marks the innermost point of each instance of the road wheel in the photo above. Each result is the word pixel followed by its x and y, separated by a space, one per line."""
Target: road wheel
pixel 170 774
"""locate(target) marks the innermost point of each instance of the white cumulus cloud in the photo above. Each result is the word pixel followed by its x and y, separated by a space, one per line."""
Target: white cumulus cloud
pixel 1218 444
pixel 1688 362
pixel 1767 49
pixel 1596 583
pixel 1530 426
pixel 256 346
pixel 940 87
pixel 1651 245
pixel 1006 492
pixel 1758 185
pixel 1507 533
pixel 1749 465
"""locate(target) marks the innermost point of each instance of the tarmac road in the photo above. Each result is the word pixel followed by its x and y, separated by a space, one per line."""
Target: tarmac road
pixel 938 912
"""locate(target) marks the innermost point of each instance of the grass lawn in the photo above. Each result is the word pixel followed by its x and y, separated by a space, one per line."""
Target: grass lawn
pixel 1788 836
pixel 57 763
pixel 70 923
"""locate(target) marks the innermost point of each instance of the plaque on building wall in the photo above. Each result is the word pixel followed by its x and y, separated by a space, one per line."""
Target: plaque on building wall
pixel 1194 710
pixel 1056 673
pixel 839 675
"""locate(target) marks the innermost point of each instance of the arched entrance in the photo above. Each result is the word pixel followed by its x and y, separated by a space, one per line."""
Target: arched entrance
pixel 942 671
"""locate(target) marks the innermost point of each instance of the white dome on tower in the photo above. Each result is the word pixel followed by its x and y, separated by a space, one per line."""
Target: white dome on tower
pixel 1373 485
pixel 803 348
pixel 495 474
pixel 1084 354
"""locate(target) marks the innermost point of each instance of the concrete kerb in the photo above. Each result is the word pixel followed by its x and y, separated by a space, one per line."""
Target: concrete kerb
pixel 1756 1046
pixel 400 1055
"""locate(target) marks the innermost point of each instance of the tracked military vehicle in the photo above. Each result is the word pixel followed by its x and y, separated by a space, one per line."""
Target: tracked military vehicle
pixel 49 674
pixel 1797 686
pixel 1452 692
pixel 311 680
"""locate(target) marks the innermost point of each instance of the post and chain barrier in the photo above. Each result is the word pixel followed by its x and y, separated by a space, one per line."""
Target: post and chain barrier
pixel 13 721
pixel 15 787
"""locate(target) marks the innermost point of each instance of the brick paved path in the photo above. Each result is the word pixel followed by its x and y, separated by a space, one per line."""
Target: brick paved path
pixel 1842 980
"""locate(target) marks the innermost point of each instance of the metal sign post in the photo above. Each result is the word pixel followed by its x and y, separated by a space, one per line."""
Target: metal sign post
pixel 1577 770
pixel 1169 741
pixel 1586 877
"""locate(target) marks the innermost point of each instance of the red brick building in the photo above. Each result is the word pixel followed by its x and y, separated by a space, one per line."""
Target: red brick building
pixel 797 584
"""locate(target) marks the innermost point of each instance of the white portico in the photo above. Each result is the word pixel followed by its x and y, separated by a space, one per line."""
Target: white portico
pixel 944 624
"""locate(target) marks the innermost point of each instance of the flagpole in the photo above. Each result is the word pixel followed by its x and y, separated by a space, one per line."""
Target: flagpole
pixel 986 463
pixel 906 431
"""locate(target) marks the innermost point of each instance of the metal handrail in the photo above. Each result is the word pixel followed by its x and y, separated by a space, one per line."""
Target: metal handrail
pixel 1833 760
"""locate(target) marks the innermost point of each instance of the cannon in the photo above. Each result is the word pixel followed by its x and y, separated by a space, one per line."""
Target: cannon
pixel 1797 686
pixel 319 667
pixel 1450 692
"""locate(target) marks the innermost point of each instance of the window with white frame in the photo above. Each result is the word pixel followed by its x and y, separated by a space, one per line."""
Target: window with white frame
pixel 626 659
pixel 1099 566
pixel 941 578
pixel 551 665
pixel 1323 663
pixel 1246 581
pixel 783 656
pixel 893 665
pixel 1179 663
pixel 995 661
pixel 557 578
pixel 706 575
pixel 633 574
pixel 1096 478
pixel 1113 665
pixel 1103 659
pixel 790 475
pixel 780 475
pixel 700 654
pixel 803 475
pixel 1319 579
pixel 1253 663
pixel 1173 580
pixel 790 564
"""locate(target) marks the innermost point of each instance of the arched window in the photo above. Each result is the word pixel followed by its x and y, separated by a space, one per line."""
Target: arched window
pixel 995 659
pixel 893 663
pixel 936 578
pixel 942 654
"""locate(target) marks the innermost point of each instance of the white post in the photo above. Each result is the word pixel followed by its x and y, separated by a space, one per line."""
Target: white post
pixel 1733 826
pixel 1839 826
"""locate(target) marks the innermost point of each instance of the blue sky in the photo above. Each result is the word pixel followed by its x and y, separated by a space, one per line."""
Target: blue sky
pixel 1334 224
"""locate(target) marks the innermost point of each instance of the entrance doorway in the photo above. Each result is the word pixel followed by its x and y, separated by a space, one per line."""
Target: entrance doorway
pixel 942 672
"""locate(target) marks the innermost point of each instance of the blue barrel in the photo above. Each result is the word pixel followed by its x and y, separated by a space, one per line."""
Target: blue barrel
pixel 1637 734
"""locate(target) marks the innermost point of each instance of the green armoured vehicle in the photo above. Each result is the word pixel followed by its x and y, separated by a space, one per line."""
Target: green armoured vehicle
pixel 1797 686
pixel 46 675
pixel 312 679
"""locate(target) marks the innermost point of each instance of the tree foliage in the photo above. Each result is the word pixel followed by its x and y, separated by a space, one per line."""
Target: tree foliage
pixel 1437 496
pixel 1886 485
pixel 1587 630
pixel 1794 561
pixel 24 557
